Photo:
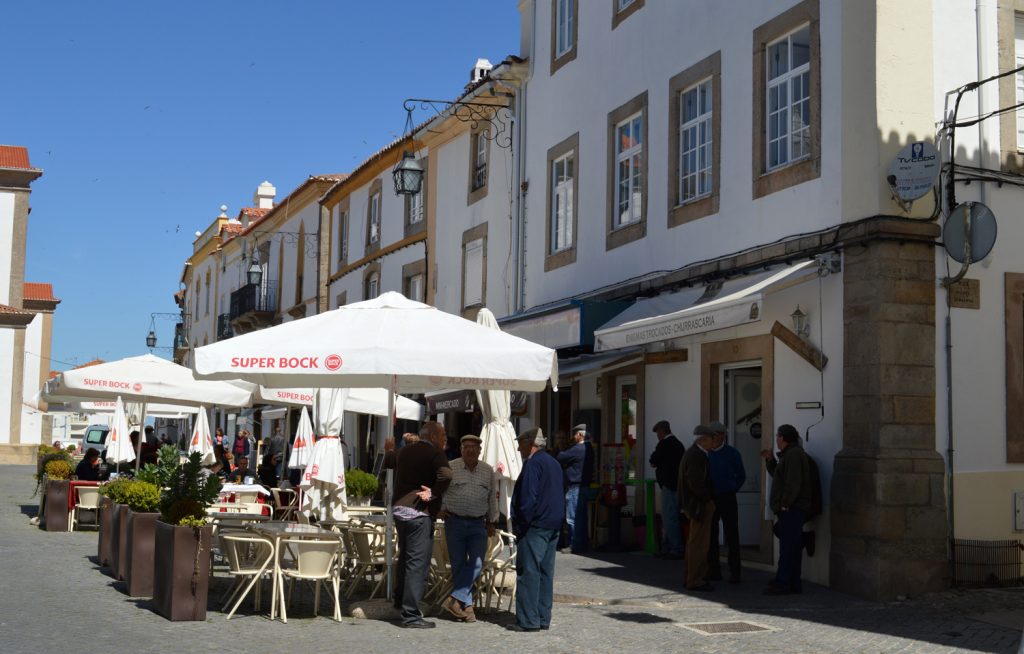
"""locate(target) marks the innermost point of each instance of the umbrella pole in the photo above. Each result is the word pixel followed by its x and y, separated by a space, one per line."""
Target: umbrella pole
pixel 388 490
pixel 142 434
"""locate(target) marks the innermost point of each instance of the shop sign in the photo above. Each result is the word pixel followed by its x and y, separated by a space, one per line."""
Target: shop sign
pixel 694 320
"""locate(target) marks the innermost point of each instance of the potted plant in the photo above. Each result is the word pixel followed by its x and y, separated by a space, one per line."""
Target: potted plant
pixel 359 486
pixel 112 524
pixel 58 472
pixel 181 572
pixel 142 499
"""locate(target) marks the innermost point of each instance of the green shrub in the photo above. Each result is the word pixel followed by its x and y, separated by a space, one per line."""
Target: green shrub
pixel 116 489
pixel 141 496
pixel 58 469
pixel 188 493
pixel 160 474
pixel 359 483
pixel 45 455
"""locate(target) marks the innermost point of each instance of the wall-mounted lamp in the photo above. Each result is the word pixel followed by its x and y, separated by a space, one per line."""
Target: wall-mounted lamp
pixel 151 339
pixel 800 324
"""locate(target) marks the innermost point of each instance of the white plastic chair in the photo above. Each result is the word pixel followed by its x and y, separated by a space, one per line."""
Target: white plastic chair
pixel 249 560
pixel 498 577
pixel 88 500
pixel 367 560
pixel 440 581
pixel 285 503
pixel 316 560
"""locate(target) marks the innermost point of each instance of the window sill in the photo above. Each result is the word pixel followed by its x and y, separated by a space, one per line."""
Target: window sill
pixel 562 59
pixel 786 176
pixel 476 194
pixel 692 210
pixel 624 234
pixel 560 259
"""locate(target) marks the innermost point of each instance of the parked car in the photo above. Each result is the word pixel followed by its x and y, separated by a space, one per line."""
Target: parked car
pixel 96 436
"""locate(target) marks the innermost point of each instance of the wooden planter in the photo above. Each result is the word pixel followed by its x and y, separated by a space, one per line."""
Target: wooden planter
pixel 106 519
pixel 138 556
pixel 56 511
pixel 121 535
pixel 181 574
pixel 118 514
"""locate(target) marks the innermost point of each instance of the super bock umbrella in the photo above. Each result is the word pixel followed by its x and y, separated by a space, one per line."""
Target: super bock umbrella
pixel 302 446
pixel 119 446
pixel 201 440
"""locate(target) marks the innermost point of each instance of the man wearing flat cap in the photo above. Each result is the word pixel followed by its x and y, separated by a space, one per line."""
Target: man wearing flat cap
pixel 537 513
pixel 665 460
pixel 696 491
pixel 469 508
pixel 573 461
pixel 727 477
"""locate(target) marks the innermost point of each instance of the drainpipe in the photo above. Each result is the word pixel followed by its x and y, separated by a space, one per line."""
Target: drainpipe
pixel 519 228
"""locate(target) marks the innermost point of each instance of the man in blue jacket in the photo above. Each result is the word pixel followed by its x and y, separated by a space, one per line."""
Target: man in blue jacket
pixel 538 509
pixel 727 477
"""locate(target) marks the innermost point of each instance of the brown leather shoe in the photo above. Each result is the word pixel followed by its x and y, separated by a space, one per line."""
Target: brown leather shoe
pixel 452 605
pixel 470 616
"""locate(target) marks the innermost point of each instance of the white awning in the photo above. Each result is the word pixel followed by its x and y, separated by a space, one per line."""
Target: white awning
pixel 568 369
pixel 273 414
pixel 683 313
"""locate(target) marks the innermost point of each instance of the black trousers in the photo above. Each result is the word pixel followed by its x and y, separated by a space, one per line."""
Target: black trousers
pixel 415 546
pixel 727 512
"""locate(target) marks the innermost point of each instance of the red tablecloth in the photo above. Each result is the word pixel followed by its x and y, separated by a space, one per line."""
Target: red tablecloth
pixel 73 496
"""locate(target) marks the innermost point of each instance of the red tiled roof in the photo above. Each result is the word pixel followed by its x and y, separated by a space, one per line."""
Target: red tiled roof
pixel 38 291
pixel 14 311
pixel 334 177
pixel 231 228
pixel 94 362
pixel 14 156
pixel 253 212
pixel 53 373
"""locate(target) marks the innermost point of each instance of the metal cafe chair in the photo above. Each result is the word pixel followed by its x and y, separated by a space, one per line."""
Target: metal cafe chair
pixel 249 559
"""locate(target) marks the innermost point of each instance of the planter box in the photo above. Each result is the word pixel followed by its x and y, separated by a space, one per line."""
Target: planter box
pixel 139 555
pixel 121 537
pixel 181 574
pixel 118 514
pixel 106 520
pixel 56 511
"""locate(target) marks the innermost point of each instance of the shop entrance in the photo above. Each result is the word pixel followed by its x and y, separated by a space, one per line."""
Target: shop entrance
pixel 741 414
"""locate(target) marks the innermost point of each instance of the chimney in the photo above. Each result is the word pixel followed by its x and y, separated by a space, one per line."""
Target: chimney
pixel 264 196
pixel 481 69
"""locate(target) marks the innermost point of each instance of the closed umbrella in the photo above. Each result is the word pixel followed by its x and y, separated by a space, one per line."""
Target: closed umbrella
pixel 201 440
pixel 323 482
pixel 500 450
pixel 119 445
pixel 302 446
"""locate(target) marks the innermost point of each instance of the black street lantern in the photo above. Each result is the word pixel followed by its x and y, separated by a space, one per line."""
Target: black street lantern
pixel 255 273
pixel 408 175
pixel 151 339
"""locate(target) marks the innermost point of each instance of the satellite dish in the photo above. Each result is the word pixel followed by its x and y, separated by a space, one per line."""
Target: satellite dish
pixel 983 231
pixel 912 173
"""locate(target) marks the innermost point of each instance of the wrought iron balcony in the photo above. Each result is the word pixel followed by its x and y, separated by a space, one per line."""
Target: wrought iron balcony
pixel 253 307
pixel 224 327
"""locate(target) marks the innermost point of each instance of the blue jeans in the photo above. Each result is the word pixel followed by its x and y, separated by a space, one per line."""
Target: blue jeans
pixel 572 498
pixel 672 539
pixel 467 545
pixel 535 576
pixel 790 530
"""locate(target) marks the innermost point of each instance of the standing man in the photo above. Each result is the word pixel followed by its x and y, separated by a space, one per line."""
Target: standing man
pixel 665 460
pixel 573 460
pixel 279 448
pixel 422 475
pixel 695 484
pixel 727 477
pixel 469 509
pixel 537 513
pixel 791 502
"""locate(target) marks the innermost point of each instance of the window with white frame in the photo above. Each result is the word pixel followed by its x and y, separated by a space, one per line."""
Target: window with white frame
pixel 373 232
pixel 207 301
pixel 564 19
pixel 473 273
pixel 416 207
pixel 788 98
pixel 695 142
pixel 414 287
pixel 623 4
pixel 342 235
pixel 480 159
pixel 562 172
pixel 1019 76
pixel 629 152
pixel 373 285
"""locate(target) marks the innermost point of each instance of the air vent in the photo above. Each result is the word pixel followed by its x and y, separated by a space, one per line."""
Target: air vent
pixel 718 628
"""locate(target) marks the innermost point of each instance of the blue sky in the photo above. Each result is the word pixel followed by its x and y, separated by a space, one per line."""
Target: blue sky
pixel 147 116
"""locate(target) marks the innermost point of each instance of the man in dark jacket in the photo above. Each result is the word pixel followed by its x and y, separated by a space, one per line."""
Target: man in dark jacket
pixel 538 509
pixel 422 475
pixel 791 502
pixel 695 484
pixel 665 460
pixel 727 477
pixel 572 461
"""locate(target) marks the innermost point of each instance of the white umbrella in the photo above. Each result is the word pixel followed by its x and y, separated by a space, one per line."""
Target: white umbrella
pixel 371 401
pixel 146 379
pixel 107 406
pixel 119 446
pixel 323 481
pixel 302 446
pixel 500 449
pixel 201 440
pixel 390 342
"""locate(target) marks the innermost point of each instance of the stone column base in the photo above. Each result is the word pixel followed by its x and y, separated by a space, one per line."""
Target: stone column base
pixel 18 454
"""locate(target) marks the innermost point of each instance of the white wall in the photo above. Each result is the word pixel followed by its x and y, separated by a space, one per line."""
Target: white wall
pixel 6 244
pixel 7 355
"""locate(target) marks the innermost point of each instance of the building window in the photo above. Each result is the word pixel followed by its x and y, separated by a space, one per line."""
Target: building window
pixel 563 32
pixel 1014 327
pixel 479 154
pixel 371 285
pixel 416 206
pixel 373 220
pixel 695 109
pixel 300 268
pixel 207 300
pixel 562 177
pixel 414 288
pixel 342 235
pixel 623 9
pixel 342 299
pixel 474 269
pixel 414 278
pixel 629 153
pixel 787 100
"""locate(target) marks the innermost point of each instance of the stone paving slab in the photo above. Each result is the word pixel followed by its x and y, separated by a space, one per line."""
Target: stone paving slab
pixel 54 598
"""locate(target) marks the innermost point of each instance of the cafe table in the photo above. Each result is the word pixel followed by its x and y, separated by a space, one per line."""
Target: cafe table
pixel 275 530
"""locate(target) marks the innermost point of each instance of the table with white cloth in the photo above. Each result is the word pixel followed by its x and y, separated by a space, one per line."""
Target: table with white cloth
pixel 244 488
pixel 275 531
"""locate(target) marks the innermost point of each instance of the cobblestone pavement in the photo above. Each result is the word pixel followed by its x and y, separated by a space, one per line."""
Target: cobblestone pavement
pixel 54 598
